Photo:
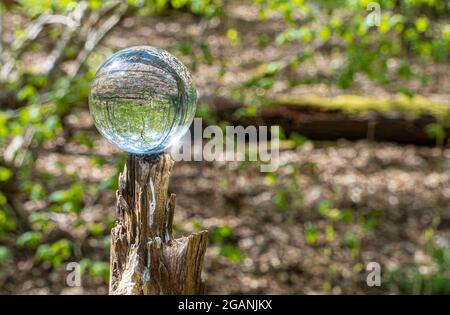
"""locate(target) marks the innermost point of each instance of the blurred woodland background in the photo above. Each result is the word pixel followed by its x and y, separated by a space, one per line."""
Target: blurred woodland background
pixel 365 160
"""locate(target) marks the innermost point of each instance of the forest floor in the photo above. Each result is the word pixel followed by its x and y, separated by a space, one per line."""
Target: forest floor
pixel 270 232
pixel 402 188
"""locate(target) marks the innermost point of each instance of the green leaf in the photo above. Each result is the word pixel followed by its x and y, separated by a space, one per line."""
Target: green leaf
pixel 422 24
pixel 281 199
pixel 221 234
pixel 3 199
pixel 298 139
pixel 233 36
pixel 6 222
pixel 5 254
pixel 435 131
pixel 69 199
pixel 110 183
pixel 310 234
pixel 231 252
pixel 29 239
pixel 100 269
pixel 97 229
pixel 324 207
pixel 26 92
pixel 197 225
pixel 271 179
pixel 325 34
pixel 177 4
pixel 59 196
pixel 41 221
pixel 56 253
pixel 347 215
pixel 351 240
pixel 329 232
pixel 94 4
pixel 5 174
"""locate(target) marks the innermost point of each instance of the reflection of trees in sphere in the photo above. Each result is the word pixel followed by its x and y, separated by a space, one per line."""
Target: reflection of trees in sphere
pixel 142 99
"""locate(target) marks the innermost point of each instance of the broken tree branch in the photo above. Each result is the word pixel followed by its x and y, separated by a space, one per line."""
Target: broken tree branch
pixel 145 257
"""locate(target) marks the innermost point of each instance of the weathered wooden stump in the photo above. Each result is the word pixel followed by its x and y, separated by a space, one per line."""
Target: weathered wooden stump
pixel 145 258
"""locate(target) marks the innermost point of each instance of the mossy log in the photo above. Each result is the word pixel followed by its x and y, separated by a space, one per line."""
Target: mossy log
pixel 349 117
pixel 145 257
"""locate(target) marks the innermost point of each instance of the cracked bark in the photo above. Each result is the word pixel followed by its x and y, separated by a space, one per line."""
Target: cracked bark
pixel 145 258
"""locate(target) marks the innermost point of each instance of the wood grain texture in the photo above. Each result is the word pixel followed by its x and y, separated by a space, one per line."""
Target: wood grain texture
pixel 145 258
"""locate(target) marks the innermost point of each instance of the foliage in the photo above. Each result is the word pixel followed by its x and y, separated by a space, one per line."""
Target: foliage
pixel 412 279
pixel 223 236
pixel 56 253
pixel 405 30
pixel 425 279
pixel 204 8
pixel 33 117
pixel 391 55
pixel 5 254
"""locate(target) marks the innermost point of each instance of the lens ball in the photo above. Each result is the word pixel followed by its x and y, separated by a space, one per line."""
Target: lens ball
pixel 142 100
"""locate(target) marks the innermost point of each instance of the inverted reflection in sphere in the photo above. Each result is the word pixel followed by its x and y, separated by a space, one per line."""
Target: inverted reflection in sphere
pixel 142 99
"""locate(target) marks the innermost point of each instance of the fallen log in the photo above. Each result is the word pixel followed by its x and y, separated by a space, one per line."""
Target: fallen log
pixel 331 123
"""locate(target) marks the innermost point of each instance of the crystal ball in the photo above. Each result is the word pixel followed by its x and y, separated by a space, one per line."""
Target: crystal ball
pixel 142 100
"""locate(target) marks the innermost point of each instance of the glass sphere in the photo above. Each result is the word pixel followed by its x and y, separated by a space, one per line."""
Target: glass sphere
pixel 142 99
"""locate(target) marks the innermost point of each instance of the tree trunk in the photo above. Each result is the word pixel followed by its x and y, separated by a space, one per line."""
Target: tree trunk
pixel 145 258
